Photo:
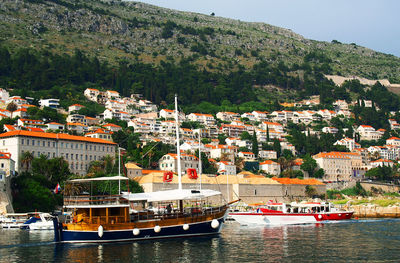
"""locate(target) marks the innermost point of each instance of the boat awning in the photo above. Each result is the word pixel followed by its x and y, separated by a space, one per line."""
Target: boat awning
pixel 170 195
pixel 105 178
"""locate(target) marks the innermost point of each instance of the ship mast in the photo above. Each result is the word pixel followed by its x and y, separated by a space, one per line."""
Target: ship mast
pixel 200 168
pixel 177 144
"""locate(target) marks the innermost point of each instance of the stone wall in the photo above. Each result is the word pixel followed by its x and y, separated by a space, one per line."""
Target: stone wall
pixel 372 211
pixel 388 188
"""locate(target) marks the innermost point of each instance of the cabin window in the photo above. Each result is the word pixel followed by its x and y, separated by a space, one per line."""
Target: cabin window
pixel 255 191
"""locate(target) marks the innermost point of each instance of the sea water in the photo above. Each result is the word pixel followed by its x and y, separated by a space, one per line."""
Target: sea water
pixel 345 241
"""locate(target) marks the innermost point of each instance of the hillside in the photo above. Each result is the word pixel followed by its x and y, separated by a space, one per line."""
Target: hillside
pixel 115 31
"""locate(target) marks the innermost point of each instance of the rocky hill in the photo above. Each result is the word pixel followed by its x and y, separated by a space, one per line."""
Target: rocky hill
pixel 119 30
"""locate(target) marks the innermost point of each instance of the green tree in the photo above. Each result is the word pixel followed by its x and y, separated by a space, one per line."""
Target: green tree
pixel 277 147
pixel 255 144
pixel 309 165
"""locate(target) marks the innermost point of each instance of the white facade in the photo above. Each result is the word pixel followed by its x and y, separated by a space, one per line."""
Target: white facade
pixel 225 167
pixel 169 162
pixel 51 103
pixel 270 167
pixel 91 94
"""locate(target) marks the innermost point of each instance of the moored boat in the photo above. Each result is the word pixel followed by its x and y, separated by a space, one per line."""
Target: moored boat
pixel 141 216
pixel 294 213
pixel 41 221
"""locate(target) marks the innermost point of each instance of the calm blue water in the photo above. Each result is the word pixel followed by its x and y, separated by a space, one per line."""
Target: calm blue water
pixel 349 241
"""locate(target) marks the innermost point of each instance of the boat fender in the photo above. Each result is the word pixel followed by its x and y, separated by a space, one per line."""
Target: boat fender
pixel 214 223
pixel 100 231
pixel 340 214
pixel 185 227
pixel 157 229
pixel 136 231
pixel 320 216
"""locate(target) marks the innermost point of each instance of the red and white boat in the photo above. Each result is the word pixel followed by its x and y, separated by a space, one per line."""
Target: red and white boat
pixel 294 213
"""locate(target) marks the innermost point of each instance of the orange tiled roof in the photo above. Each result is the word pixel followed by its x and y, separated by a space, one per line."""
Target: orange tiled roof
pixel 297 181
pixel 268 162
pixel 60 136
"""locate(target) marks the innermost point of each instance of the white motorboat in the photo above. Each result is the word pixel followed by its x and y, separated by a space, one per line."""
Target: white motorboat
pixel 44 222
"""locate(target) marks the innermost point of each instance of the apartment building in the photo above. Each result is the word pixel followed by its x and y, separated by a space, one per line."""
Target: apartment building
pixel 78 151
pixel 169 162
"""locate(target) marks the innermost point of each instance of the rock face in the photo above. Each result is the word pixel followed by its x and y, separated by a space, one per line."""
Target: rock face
pixel 373 211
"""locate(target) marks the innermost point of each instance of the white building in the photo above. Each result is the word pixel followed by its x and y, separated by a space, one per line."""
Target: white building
pixel 247 156
pixel 393 141
pixel 368 133
pixel 349 143
pixel 267 154
pixel 169 162
pixel 381 163
pixel 337 166
pixel 4 95
pixel 75 107
pixel 206 119
pixel 225 167
pixel 91 94
pixel 228 116
pixel 78 151
pixel 332 130
pixel 270 167
pixel 51 103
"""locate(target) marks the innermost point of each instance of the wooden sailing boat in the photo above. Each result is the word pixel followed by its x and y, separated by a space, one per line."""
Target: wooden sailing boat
pixel 138 216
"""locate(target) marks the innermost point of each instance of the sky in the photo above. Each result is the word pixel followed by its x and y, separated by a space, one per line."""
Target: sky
pixel 374 24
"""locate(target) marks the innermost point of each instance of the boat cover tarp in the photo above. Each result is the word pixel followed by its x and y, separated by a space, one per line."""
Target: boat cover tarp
pixel 169 195
pixel 105 178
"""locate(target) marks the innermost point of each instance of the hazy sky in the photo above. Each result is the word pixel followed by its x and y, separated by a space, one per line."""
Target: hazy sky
pixel 371 23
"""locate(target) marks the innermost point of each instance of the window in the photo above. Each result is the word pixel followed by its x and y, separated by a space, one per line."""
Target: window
pixel 81 146
pixel 2 165
pixel 90 157
pixel 95 147
pixel 86 157
pixel 66 145
pixel 54 144
pixel 72 146
pixel 44 144
pixel 76 146
pixel 33 142
pixel 62 144
pixel 27 142
pixel 95 157
pixel 104 148
pixel 76 156
pixel 81 157
pixel 66 156
pixel 90 147
pixel 22 141
pixel 48 144
pixel 54 155
pixel 4 142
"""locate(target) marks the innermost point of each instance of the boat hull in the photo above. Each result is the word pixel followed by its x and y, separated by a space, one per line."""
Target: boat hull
pixel 248 218
pixel 176 231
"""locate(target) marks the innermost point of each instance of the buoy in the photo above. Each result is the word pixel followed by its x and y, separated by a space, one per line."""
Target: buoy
pixel 185 227
pixel 157 229
pixel 100 231
pixel 136 231
pixel 214 223
pixel 319 216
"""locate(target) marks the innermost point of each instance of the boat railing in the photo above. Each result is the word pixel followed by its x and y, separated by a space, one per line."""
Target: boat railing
pixel 85 200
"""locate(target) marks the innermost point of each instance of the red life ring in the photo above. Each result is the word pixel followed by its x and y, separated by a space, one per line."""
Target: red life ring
pixel 192 173
pixel 168 176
